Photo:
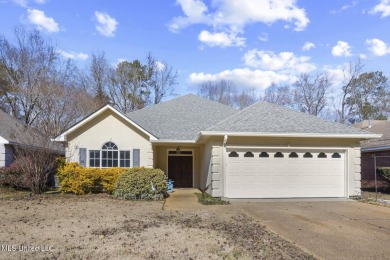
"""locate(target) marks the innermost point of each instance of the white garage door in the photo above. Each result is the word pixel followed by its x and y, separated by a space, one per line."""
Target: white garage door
pixel 253 173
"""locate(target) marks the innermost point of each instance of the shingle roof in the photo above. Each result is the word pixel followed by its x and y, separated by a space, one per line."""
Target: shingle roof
pixel 378 127
pixel 181 118
pixel 10 126
pixel 266 117
pixel 17 132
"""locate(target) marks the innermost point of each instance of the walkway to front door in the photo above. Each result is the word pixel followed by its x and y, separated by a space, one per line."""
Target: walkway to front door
pixel 183 199
pixel 180 170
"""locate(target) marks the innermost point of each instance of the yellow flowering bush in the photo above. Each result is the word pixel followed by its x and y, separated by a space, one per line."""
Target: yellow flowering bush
pixel 79 180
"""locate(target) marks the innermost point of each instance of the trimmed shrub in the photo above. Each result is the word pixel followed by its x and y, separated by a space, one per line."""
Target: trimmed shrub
pixel 79 180
pixel 384 172
pixel 141 183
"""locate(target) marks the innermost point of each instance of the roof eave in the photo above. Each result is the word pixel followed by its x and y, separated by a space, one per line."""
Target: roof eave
pixel 170 141
pixel 62 136
pixel 3 140
pixel 311 135
pixel 377 148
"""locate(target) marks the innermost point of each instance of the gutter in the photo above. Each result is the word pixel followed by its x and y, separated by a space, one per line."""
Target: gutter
pixel 374 149
pixel 170 141
pixel 314 135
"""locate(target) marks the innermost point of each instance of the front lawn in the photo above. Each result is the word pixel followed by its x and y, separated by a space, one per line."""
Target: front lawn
pixel 101 227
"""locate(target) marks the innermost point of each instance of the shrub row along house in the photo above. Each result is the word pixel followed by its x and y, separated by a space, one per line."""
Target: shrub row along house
pixel 263 151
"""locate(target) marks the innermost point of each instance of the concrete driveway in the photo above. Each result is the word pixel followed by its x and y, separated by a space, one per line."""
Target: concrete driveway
pixel 327 229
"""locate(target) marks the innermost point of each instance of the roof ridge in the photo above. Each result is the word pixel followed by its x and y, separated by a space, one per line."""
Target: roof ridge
pixel 235 114
pixel 179 98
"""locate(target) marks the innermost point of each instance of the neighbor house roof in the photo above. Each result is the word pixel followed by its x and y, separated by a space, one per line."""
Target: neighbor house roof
pixel 14 131
pixel 378 127
pixel 181 118
pixel 263 118
pixel 10 127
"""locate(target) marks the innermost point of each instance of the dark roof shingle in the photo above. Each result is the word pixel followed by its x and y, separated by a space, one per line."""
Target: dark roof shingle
pixel 181 118
pixel 266 117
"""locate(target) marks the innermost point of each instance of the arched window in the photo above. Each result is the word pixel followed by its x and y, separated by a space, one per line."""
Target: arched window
pixel 293 155
pixel 322 155
pixel 307 155
pixel 336 155
pixel 109 146
pixel 233 154
pixel 278 155
pixel 249 154
pixel 264 155
pixel 109 155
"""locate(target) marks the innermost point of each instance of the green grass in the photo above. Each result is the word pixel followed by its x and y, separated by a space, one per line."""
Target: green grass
pixel 207 199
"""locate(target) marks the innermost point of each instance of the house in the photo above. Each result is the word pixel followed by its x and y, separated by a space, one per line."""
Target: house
pixel 379 147
pixel 14 133
pixel 263 151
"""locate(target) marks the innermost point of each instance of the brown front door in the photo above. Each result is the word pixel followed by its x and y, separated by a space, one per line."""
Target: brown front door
pixel 180 171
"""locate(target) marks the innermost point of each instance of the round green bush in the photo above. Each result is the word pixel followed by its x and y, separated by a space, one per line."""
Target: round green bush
pixel 141 183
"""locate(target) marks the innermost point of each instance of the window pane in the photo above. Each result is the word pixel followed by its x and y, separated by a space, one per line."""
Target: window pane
pixel 104 155
pixel 115 155
pixel 104 163
pixel 115 163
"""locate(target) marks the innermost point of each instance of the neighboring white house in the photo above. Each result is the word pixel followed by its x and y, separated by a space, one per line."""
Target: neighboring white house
pixel 263 151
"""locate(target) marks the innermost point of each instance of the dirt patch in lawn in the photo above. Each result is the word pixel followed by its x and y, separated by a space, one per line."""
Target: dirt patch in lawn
pixel 100 227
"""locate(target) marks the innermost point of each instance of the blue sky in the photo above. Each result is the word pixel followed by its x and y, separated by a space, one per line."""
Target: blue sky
pixel 250 42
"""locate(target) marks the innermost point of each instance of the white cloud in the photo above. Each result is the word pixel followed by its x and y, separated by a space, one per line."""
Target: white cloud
pixel 262 69
pixel 347 6
pixel 41 21
pixel 73 55
pixel 160 66
pixel 362 56
pixel 231 16
pixel 245 78
pixel 378 47
pixel 263 37
pixel 308 45
pixel 383 8
pixel 221 39
pixel 341 49
pixel 284 61
pixel 106 24
pixel 23 3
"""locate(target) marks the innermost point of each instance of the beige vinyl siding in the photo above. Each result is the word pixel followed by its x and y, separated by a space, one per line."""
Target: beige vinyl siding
pixel 109 127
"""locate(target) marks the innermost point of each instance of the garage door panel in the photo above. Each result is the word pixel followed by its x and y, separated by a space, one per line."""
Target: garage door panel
pixel 270 177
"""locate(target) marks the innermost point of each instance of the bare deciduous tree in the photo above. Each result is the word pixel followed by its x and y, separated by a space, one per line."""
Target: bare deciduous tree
pixel 245 98
pixel 278 94
pixel 34 158
pixel 222 91
pixel 26 67
pixel 162 79
pixel 310 93
pixel 97 78
pixel 350 74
